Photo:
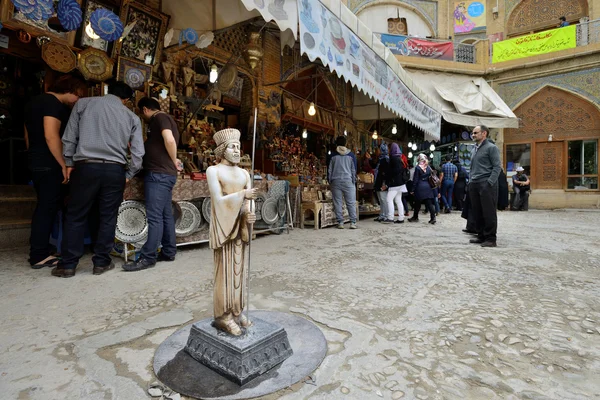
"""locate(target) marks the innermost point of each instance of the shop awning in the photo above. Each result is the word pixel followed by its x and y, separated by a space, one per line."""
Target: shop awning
pixel 466 100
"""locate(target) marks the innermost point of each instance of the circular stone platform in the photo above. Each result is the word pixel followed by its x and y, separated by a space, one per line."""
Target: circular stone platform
pixel 179 371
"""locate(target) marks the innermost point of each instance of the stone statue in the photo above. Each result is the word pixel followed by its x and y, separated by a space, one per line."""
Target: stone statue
pixel 231 213
pixel 189 81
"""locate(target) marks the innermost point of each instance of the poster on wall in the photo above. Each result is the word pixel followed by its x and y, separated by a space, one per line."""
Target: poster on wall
pixel 412 47
pixel 469 16
pixel 324 36
pixel 536 44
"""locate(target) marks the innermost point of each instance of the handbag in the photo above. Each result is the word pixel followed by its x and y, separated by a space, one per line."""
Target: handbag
pixel 434 181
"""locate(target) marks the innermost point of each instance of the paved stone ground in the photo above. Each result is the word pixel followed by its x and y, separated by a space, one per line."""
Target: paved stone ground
pixel 409 311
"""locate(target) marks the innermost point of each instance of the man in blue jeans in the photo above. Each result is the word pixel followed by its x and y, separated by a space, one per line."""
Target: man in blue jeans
pixel 160 166
pixel 448 177
pixel 341 175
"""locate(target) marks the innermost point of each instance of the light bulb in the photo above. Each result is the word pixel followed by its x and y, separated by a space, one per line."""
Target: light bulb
pixel 214 73
pixel 410 145
pixel 345 132
pixel 394 129
pixel 304 134
pixel 311 109
pixel 329 152
pixel 431 156
pixel 455 148
pixel 432 147
pixel 375 134
pixel 414 147
pixel 90 32
pixel 410 154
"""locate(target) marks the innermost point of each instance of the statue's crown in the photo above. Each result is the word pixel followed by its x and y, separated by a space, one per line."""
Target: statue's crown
pixel 226 135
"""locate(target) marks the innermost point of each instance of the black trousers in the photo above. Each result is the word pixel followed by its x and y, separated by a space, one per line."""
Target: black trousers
pixel 484 200
pixel 50 195
pixel 459 193
pixel 101 184
pixel 429 205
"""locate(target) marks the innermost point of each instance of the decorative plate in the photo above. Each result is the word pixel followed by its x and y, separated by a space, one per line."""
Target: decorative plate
pixel 168 37
pixel 227 76
pixel 258 205
pixel 35 10
pixel 95 64
pixel 281 207
pixel 59 57
pixel 134 78
pixel 106 24
pixel 131 222
pixel 206 209
pixel 190 219
pixel 69 14
pixel 205 40
pixel 465 135
pixel 189 35
pixel 269 211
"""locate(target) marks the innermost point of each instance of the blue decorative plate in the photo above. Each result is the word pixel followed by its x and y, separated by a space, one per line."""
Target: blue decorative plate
pixel 36 10
pixel 454 136
pixel 443 139
pixel 134 78
pixel 106 24
pixel 69 14
pixel 189 35
pixel 465 135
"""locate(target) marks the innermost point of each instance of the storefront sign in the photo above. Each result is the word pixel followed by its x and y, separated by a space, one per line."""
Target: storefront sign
pixel 536 44
pixel 469 16
pixel 324 36
pixel 412 47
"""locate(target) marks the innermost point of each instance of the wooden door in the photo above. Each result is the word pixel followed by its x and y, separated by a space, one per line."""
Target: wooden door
pixel 549 165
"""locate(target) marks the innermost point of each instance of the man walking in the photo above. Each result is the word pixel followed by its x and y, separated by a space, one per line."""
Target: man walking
pixel 160 175
pixel 483 188
pixel 448 177
pixel 342 178
pixel 95 146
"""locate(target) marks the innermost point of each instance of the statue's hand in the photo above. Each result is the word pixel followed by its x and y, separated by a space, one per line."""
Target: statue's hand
pixel 250 194
pixel 251 218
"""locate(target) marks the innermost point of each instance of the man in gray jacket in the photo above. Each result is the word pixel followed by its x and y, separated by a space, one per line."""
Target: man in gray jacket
pixel 342 180
pixel 483 187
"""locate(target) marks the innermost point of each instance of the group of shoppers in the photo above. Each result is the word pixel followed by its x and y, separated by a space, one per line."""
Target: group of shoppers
pixel 85 156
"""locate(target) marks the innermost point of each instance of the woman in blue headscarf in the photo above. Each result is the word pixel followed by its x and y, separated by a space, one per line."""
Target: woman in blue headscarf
pixel 396 184
pixel 379 186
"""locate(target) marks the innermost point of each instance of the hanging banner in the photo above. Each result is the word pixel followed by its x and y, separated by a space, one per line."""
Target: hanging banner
pixel 412 47
pixel 536 44
pixel 469 16
pixel 324 36
pixel 283 12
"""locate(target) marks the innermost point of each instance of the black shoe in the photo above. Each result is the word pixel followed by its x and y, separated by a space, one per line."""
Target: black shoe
pixel 476 241
pixel 470 232
pixel 398 221
pixel 413 219
pixel 447 211
pixel 162 257
pixel 60 272
pixel 432 221
pixel 488 244
pixel 101 270
pixel 138 265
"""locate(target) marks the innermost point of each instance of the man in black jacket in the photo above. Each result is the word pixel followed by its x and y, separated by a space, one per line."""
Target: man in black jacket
pixel 483 188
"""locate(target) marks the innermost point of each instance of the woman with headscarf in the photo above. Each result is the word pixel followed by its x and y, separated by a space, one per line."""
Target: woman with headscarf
pixel 379 185
pixel 396 184
pixel 422 190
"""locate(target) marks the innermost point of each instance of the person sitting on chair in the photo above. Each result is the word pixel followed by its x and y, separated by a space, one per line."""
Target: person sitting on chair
pixel 521 187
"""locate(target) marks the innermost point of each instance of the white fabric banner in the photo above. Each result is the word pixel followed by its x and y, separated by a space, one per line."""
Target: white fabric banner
pixel 324 36
pixel 283 12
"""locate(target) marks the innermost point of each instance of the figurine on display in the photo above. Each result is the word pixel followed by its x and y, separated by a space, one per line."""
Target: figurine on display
pixel 189 81
pixel 231 213
pixel 168 70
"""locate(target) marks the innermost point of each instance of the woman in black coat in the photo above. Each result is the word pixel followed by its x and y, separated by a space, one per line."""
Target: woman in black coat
pixel 502 191
pixel 422 190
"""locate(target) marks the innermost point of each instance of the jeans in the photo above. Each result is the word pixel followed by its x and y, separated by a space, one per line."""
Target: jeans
pixel 484 200
pixel 47 183
pixel 348 190
pixel 158 191
pixel 105 184
pixel 382 196
pixel 394 194
pixel 447 189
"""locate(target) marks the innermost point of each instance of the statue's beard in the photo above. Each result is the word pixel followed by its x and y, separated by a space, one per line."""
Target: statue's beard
pixel 233 158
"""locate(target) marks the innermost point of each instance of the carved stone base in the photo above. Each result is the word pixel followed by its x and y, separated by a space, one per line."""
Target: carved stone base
pixel 239 358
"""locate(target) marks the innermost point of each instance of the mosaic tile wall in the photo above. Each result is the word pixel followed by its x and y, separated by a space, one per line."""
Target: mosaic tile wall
pixel 429 9
pixel 585 83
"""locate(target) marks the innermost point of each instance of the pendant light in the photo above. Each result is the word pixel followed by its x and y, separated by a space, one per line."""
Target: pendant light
pixel 410 154
pixel 311 109
pixel 345 132
pixel 410 145
pixel 394 129
pixel 304 134
pixel 375 136
pixel 214 73
pixel 414 147
pixel 432 147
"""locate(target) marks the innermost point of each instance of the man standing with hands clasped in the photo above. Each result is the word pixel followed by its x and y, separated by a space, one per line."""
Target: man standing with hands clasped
pixel 483 188
pixel 160 169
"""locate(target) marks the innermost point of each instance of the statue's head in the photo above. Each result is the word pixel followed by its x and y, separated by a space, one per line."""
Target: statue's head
pixel 228 145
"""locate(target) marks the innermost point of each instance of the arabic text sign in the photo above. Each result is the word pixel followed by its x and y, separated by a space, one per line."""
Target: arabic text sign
pixel 406 46
pixel 533 45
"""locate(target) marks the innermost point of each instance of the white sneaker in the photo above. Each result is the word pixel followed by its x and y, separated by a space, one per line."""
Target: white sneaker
pixel 340 226
pixel 353 226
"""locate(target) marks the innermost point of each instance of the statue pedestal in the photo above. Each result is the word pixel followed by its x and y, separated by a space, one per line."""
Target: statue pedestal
pixel 239 358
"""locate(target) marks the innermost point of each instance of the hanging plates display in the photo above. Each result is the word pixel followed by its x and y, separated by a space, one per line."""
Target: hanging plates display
pixel 69 14
pixel 269 212
pixel 59 57
pixel 131 222
pixel 190 219
pixel 36 10
pixel 206 209
pixel 106 24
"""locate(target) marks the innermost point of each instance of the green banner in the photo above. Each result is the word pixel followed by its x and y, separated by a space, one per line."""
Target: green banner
pixel 535 44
